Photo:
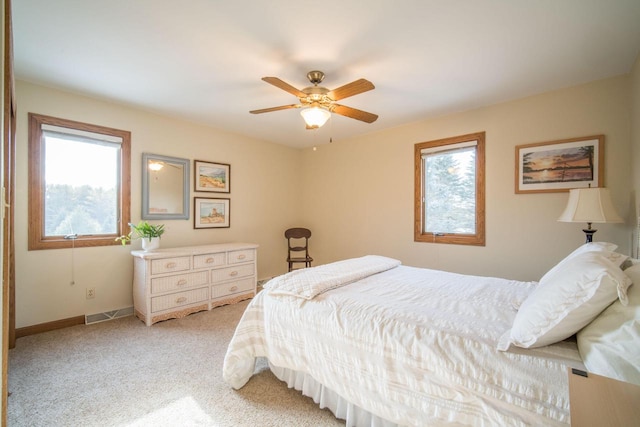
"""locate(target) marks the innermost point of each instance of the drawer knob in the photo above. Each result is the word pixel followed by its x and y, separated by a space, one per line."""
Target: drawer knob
pixel 233 288
pixel 242 256
pixel 171 265
pixel 182 282
pixel 181 300
pixel 233 273
pixel 210 260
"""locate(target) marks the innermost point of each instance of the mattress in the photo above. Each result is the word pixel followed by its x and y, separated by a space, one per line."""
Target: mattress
pixel 411 346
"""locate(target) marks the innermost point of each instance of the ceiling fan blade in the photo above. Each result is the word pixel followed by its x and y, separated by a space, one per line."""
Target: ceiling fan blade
pixel 354 113
pixel 350 89
pixel 284 86
pixel 282 107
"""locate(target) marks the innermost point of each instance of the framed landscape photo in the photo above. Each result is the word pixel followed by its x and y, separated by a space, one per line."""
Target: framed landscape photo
pixel 214 177
pixel 556 166
pixel 211 213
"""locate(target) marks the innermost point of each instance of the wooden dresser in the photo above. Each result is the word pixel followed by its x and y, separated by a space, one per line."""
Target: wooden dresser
pixel 174 282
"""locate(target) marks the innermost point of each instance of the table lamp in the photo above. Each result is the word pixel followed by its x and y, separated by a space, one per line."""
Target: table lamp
pixel 589 205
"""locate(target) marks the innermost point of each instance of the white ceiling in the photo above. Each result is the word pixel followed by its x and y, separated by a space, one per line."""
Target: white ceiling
pixel 202 60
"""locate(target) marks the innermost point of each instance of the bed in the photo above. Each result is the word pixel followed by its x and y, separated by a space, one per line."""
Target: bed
pixel 383 344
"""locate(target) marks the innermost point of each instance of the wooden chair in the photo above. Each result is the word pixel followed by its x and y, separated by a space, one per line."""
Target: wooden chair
pixel 294 236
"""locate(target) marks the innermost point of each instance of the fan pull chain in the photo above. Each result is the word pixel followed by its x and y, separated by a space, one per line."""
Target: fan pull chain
pixel 331 130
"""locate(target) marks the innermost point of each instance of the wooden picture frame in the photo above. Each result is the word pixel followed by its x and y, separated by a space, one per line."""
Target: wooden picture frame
pixel 211 213
pixel 212 177
pixel 558 166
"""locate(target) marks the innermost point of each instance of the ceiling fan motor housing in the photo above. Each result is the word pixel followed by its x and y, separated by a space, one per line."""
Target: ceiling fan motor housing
pixel 316 94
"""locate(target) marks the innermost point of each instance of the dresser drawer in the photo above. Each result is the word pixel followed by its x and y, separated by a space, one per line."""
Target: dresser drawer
pixel 179 281
pixel 230 273
pixel 209 260
pixel 236 257
pixel 238 286
pixel 179 299
pixel 168 265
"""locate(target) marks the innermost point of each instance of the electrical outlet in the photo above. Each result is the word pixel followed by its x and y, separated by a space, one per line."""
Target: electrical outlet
pixel 91 293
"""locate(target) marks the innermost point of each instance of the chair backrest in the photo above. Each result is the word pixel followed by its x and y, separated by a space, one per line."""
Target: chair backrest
pixel 295 234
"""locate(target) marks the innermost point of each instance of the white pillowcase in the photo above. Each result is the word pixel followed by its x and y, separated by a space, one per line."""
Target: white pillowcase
pixel 566 299
pixel 603 247
pixel 610 345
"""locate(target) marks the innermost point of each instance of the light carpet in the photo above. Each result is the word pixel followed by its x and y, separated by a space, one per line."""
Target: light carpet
pixel 123 373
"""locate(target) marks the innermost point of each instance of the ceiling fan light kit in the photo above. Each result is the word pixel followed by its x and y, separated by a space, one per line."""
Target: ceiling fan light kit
pixel 319 102
pixel 315 117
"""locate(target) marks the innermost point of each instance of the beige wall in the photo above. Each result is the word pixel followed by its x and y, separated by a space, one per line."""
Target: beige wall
pixel 263 204
pixel 359 193
pixel 356 195
pixel 635 148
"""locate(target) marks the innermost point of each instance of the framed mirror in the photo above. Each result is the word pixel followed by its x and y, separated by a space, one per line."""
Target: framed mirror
pixel 165 187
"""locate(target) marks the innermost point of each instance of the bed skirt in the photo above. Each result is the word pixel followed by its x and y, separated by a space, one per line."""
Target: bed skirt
pixel 327 398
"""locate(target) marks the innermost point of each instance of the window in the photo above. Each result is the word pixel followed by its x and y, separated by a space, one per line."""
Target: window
pixel 79 177
pixel 449 190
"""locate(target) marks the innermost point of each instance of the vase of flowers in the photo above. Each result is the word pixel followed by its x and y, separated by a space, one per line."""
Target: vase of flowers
pixel 149 233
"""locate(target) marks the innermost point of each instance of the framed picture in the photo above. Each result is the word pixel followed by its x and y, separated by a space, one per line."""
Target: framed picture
pixel 214 177
pixel 556 166
pixel 210 213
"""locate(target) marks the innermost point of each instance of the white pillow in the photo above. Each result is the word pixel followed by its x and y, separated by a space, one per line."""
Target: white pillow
pixel 587 247
pixel 616 258
pixel 566 300
pixel 610 345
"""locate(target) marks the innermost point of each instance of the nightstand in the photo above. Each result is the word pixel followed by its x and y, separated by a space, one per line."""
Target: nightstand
pixel 600 401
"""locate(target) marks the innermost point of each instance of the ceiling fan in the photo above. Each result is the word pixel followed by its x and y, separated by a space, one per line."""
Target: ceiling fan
pixel 319 102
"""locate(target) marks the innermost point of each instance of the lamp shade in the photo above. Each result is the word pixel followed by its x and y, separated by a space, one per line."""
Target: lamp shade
pixel 589 205
pixel 315 117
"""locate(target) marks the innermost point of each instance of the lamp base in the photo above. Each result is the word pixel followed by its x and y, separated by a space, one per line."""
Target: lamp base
pixel 589 233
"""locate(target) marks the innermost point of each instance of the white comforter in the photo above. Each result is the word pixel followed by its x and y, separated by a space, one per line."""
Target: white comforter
pixel 413 346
